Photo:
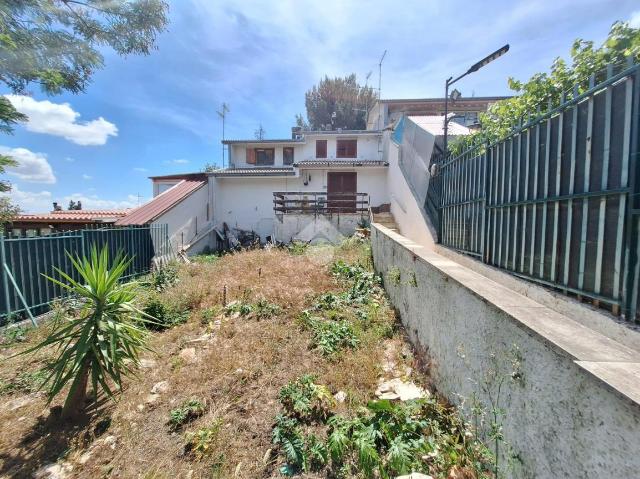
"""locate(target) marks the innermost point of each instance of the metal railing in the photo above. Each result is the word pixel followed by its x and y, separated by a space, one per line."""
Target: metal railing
pixel 26 261
pixel 558 200
pixel 319 202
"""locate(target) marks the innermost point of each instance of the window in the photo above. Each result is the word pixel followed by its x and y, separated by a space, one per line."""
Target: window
pixel 287 155
pixel 321 148
pixel 264 156
pixel 347 149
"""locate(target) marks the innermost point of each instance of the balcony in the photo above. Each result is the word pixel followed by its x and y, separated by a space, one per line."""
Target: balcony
pixel 319 202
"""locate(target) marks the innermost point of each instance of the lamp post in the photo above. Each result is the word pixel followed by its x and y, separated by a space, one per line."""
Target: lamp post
pixel 450 81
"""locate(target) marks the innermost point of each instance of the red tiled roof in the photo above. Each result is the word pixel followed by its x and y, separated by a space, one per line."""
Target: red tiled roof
pixel 72 216
pixel 161 203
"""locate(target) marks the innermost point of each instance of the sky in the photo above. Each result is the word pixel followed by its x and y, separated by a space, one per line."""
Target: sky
pixel 156 114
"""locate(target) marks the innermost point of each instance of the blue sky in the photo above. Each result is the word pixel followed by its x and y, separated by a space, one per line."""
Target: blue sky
pixel 156 115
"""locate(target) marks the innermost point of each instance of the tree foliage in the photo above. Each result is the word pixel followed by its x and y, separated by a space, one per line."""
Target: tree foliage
pixel 56 44
pixel 343 96
pixel 545 90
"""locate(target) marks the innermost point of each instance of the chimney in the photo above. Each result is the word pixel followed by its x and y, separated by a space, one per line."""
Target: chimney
pixel 296 131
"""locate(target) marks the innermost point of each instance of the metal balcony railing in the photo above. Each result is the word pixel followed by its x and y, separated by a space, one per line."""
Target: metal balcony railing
pixel 319 202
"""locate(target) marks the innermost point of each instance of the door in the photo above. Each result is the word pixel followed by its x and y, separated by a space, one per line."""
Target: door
pixel 341 191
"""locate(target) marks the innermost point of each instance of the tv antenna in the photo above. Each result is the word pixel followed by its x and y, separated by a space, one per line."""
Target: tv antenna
pixel 223 115
pixel 380 87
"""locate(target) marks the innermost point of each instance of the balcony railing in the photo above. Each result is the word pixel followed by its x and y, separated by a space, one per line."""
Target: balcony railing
pixel 319 202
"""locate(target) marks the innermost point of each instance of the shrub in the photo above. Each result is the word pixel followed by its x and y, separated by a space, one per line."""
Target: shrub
pixel 201 443
pixel 164 316
pixel 302 453
pixel 102 340
pixel 244 309
pixel 264 309
pixel 187 412
pixel 330 337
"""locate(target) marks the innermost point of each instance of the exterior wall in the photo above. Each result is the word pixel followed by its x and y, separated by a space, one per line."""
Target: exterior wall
pixel 404 208
pixel 247 203
pixel 566 412
pixel 316 229
pixel 186 220
pixel 368 146
pixel 160 186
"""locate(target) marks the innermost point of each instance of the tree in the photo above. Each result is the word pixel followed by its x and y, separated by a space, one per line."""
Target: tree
pixel 546 90
pixel 337 103
pixel 55 45
pixel 102 341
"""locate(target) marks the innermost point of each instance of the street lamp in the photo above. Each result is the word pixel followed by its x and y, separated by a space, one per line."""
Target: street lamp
pixel 456 94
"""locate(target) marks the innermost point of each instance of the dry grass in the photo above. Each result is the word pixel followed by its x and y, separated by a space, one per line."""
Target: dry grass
pixel 238 371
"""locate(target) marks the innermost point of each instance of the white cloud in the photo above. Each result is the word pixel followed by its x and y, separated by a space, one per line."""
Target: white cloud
pixel 87 177
pixel 68 159
pixel 32 167
pixel 634 21
pixel 178 161
pixel 59 119
pixel 140 169
pixel 42 201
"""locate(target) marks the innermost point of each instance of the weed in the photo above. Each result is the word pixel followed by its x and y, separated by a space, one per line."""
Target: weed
pixel 209 314
pixel 11 335
pixel 394 276
pixel 329 336
pixel 200 443
pixel 206 258
pixel 263 309
pixel 305 399
pixel 298 248
pixel 187 412
pixel 413 281
pixel 164 316
pixel 26 381
pixel 244 309
pixel 328 301
pixel 164 277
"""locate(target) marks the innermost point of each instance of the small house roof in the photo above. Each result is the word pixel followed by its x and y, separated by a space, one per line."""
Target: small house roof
pixel 163 202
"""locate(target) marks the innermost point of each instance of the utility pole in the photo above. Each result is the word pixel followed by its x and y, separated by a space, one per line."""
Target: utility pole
pixel 380 89
pixel 223 115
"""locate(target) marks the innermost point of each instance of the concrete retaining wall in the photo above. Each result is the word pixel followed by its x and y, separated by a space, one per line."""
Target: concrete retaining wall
pixel 570 395
pixel 316 228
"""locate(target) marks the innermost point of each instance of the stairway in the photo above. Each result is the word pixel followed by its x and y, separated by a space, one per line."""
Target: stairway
pixel 386 219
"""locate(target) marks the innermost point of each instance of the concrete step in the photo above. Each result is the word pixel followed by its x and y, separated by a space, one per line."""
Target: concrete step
pixel 385 219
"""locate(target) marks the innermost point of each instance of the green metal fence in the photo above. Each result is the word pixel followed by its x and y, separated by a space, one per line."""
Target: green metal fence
pixel 558 200
pixel 25 291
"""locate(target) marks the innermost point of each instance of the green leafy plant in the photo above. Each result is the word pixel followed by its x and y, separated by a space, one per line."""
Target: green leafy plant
pixel 244 309
pixel 201 443
pixel 303 398
pixel 330 336
pixel 14 334
pixel 103 339
pixel 263 309
pixel 547 89
pixel 394 276
pixel 164 277
pixel 165 316
pixel 298 248
pixel 25 381
pixel 187 412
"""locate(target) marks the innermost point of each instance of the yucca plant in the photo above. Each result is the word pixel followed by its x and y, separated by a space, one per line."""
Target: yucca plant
pixel 102 340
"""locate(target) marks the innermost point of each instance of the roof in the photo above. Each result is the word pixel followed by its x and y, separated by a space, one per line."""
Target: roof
pixel 340 163
pixel 435 125
pixel 260 142
pixel 340 132
pixel 478 99
pixel 247 172
pixel 72 216
pixel 180 176
pixel 163 202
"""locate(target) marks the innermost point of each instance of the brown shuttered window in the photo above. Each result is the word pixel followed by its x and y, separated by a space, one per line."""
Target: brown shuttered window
pixel 321 148
pixel 265 156
pixel 287 155
pixel 251 156
pixel 347 149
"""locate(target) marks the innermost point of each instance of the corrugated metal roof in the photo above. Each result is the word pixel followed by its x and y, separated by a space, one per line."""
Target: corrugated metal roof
pixel 245 172
pixel 72 216
pixel 435 125
pixel 161 203
pixel 341 163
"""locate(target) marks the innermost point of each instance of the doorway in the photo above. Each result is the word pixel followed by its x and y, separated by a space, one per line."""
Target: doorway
pixel 342 187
